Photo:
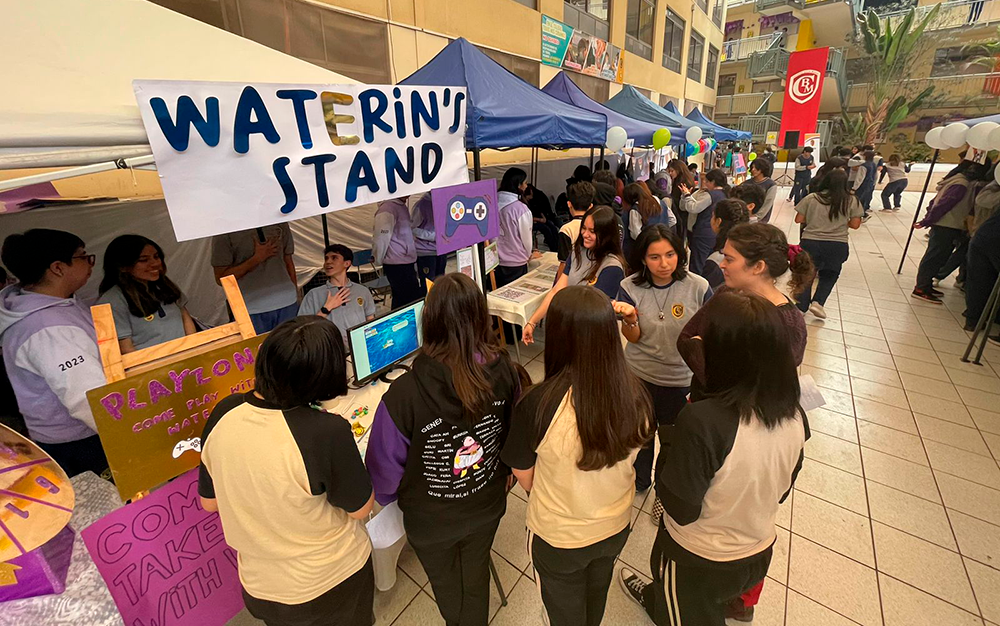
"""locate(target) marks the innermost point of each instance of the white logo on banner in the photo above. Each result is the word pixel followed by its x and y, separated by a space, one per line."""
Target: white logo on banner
pixel 804 85
pixel 235 156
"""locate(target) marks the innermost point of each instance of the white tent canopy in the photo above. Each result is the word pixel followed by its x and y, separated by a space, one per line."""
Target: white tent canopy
pixel 68 67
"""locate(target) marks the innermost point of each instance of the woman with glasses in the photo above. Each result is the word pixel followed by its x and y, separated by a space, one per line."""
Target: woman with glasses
pixel 148 307
pixel 50 347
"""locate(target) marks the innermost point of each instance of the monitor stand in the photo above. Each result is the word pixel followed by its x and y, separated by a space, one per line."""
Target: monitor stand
pixel 384 377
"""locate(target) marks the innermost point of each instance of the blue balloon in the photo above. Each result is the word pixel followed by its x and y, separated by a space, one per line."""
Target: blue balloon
pixel 692 149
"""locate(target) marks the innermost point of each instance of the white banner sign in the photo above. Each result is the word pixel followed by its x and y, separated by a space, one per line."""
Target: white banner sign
pixel 233 156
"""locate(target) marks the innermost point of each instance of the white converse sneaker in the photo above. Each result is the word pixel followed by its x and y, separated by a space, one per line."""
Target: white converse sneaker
pixel 817 309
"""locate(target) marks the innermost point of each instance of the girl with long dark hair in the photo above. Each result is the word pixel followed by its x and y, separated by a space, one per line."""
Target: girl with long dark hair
pixel 50 347
pixel 681 178
pixel 435 446
pixel 655 303
pixel 727 214
pixel 516 241
pixel 148 307
pixel 733 459
pixel 827 215
pixel 596 260
pixel 571 446
pixel 699 207
pixel 643 209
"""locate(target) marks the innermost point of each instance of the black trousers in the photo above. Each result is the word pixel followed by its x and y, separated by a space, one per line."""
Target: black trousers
pixel 800 189
pixel 406 286
pixel 348 604
pixel 957 260
pixel 893 190
pixel 829 258
pixel 550 232
pixel 77 457
pixel 459 573
pixel 939 249
pixel 667 404
pixel 431 267
pixel 696 589
pixel 983 269
pixel 574 582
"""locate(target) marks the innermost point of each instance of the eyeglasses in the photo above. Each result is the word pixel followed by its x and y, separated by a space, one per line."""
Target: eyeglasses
pixel 91 258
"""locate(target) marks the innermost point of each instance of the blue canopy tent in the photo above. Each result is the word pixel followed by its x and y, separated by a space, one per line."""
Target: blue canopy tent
pixel 631 103
pixel 563 88
pixel 503 110
pixel 721 132
pixel 706 129
pixel 988 118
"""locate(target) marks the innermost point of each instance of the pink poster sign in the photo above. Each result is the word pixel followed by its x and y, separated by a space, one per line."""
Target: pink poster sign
pixel 165 559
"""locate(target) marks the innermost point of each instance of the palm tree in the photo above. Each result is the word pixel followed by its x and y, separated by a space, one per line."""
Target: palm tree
pixel 890 56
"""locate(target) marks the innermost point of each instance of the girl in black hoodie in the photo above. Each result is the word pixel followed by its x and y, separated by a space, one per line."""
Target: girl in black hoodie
pixel 435 446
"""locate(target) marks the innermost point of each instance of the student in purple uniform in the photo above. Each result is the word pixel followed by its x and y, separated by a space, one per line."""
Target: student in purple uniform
pixel 435 447
pixel 396 251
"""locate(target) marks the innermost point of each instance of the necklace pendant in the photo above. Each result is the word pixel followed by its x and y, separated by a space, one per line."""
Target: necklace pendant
pixel 661 315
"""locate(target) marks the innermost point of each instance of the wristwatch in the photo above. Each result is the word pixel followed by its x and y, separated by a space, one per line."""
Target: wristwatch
pixel 324 310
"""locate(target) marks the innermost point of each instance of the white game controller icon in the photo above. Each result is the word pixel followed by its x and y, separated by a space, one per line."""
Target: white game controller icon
pixel 194 443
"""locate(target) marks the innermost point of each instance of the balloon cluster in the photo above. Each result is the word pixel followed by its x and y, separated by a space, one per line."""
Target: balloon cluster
pixel 695 143
pixel 982 136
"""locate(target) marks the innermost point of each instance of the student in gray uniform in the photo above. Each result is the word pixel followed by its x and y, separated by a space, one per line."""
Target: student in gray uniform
pixel 148 307
pixel 596 260
pixel 341 301
pixel 261 261
pixel 655 303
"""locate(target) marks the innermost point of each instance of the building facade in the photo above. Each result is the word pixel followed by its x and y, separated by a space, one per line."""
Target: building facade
pixel 669 49
pixel 760 36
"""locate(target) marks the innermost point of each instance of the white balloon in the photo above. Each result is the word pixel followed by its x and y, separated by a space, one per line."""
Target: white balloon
pixel 693 134
pixel 616 138
pixel 994 139
pixel 979 135
pixel 954 134
pixel 934 140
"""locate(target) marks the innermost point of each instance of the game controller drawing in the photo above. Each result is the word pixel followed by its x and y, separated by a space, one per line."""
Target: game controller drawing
pixel 467 210
pixel 194 443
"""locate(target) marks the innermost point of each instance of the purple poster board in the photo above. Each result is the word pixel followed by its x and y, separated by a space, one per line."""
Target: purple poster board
pixel 165 559
pixel 465 215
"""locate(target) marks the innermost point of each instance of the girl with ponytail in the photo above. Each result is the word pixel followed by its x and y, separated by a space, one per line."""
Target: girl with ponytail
pixel 643 210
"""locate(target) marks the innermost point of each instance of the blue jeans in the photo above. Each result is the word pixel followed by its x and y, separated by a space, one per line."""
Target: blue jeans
pixel 864 195
pixel 268 320
pixel 893 190
pixel 829 258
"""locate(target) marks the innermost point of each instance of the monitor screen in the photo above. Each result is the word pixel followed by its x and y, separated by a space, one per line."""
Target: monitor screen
pixel 383 342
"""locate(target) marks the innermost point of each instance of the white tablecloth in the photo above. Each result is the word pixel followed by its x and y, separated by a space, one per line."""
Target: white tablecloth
pixel 517 302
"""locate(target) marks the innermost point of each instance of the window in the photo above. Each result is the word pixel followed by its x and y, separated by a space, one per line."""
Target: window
pixel 696 49
pixel 955 61
pixel 727 85
pixel 639 28
pixel 703 4
pixel 664 99
pixel 597 89
pixel 708 111
pixel 713 65
pixel 524 68
pixel 673 42
pixel 764 86
pixel 589 16
pixel 691 105
pixel 644 92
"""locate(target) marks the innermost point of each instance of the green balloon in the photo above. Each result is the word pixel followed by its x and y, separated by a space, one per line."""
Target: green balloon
pixel 661 138
pixel 753 155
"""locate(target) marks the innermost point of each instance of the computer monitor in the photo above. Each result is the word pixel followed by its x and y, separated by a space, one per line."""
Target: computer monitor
pixel 378 345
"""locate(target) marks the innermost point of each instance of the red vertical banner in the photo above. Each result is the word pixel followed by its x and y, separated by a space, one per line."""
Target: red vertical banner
pixel 806 71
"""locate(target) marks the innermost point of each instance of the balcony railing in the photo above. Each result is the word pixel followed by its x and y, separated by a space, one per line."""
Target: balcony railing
pixel 760 125
pixel 736 3
pixel 949 91
pixel 836 68
pixel 741 49
pixel 954 14
pixel 771 5
pixel 741 103
pixel 771 63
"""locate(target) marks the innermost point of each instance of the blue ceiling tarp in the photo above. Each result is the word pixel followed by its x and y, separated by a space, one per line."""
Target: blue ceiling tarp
pixel 976 120
pixel 721 132
pixel 563 88
pixel 503 110
pixel 631 103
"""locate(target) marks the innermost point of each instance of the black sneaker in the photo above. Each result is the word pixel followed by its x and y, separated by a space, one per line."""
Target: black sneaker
pixel 866 217
pixel 925 296
pixel 632 585
pixel 936 292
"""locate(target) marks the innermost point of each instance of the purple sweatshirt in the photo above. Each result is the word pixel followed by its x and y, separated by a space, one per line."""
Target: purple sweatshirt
pixel 393 237
pixel 515 241
pixel 50 353
pixel 424 235
pixel 949 194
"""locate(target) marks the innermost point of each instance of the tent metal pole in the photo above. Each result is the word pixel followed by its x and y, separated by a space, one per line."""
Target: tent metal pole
pixel 326 231
pixel 916 214
pixel 601 160
pixel 477 171
pixel 73 172
pixel 591 159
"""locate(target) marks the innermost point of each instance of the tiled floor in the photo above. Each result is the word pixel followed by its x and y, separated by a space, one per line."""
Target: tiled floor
pixel 895 519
